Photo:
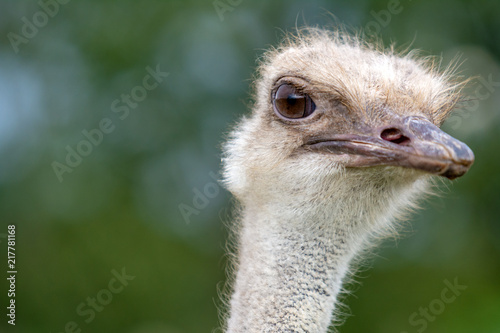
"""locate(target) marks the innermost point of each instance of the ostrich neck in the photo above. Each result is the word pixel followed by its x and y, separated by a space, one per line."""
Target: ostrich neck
pixel 290 269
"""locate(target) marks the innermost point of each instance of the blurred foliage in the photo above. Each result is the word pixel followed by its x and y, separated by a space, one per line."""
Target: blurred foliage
pixel 119 208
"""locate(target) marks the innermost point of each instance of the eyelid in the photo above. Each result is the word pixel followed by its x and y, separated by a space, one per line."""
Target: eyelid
pixel 297 81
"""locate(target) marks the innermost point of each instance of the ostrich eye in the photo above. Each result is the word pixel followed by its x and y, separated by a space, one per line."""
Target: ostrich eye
pixel 290 103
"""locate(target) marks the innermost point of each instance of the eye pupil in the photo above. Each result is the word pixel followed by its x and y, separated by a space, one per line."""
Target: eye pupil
pixel 290 103
pixel 291 99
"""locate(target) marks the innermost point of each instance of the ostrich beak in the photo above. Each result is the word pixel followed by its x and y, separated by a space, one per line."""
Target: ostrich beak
pixel 413 143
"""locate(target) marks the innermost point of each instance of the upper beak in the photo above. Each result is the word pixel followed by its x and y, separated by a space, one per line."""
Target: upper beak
pixel 413 143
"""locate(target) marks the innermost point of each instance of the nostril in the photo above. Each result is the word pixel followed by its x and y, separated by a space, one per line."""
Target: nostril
pixel 395 136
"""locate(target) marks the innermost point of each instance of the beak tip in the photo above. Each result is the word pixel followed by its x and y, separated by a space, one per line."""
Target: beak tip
pixel 462 161
pixel 460 166
pixel 455 171
pixel 432 142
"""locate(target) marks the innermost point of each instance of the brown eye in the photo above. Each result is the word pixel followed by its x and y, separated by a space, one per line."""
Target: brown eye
pixel 290 103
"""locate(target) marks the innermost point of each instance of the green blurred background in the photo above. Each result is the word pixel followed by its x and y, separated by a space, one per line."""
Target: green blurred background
pixel 120 207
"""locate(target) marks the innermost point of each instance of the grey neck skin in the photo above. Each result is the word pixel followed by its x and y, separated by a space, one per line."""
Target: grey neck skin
pixel 295 247
pixel 289 275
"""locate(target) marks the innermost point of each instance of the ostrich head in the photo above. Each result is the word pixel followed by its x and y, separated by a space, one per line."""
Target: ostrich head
pixel 330 105
pixel 343 136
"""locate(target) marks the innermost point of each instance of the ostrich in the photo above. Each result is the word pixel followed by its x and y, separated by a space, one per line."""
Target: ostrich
pixel 343 138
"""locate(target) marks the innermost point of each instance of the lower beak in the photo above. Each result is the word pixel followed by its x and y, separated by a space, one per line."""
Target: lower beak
pixel 413 143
